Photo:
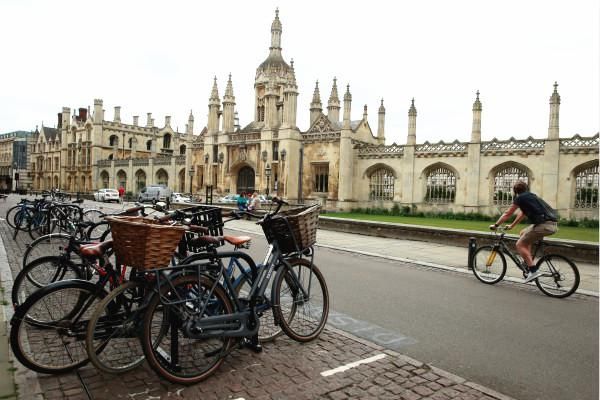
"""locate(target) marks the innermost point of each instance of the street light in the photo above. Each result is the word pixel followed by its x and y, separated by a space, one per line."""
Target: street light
pixel 191 172
pixel 268 175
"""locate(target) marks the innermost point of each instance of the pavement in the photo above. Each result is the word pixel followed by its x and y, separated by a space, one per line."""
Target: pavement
pixel 337 365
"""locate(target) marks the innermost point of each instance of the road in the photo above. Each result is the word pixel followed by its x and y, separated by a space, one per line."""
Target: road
pixel 508 337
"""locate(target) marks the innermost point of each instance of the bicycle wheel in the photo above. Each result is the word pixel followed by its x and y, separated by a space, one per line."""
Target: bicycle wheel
pixel 301 300
pixel 10 215
pixel 112 339
pixel 268 330
pixel 41 225
pixel 93 215
pixel 53 244
pixel 174 355
pixel 40 273
pixel 99 231
pixel 48 331
pixel 560 276
pixel 489 265
pixel 22 221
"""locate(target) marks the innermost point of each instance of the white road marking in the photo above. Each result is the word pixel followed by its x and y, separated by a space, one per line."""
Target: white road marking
pixel 352 365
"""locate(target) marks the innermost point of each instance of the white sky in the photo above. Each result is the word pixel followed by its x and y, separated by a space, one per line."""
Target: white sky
pixel 161 56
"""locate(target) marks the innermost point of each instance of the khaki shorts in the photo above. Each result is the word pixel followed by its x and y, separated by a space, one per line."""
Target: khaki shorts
pixel 536 232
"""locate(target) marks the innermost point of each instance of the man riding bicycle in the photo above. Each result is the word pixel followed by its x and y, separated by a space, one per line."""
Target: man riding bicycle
pixel 538 212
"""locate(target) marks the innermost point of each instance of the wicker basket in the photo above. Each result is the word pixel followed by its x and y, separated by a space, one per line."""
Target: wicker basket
pixel 293 230
pixel 143 243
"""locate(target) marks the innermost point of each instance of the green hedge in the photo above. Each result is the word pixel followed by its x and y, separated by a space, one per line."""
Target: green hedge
pixel 408 211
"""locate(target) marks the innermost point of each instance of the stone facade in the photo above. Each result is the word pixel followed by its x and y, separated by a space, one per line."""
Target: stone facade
pixel 340 162
pixel 14 161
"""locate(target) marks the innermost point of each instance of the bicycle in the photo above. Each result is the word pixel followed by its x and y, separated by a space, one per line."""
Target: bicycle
pixel 559 278
pixel 202 314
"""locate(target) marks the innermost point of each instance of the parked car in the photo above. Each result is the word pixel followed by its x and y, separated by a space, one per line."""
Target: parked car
pixel 230 198
pixel 180 198
pixel 104 195
pixel 154 193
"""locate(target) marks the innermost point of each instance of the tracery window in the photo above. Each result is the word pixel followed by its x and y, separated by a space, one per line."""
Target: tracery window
pixel 504 181
pixel 381 184
pixel 149 145
pixel 167 141
pixel 182 149
pixel 321 174
pixel 441 186
pixel 586 187
pixel 113 141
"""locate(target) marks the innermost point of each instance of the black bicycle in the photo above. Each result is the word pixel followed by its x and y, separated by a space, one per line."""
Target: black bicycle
pixel 559 278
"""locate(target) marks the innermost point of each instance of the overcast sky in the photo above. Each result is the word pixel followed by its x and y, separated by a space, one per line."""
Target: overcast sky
pixel 161 56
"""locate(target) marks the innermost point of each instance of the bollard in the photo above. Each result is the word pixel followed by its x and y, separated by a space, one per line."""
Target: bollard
pixel 472 248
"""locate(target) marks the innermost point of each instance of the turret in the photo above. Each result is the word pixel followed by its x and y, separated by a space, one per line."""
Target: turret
pixel 347 106
pixel 190 125
pixel 412 124
pixel 333 105
pixel 553 127
pixel 149 120
pixel 476 129
pixel 98 111
pixel 117 117
pixel 381 124
pixel 213 109
pixel 316 108
pixel 228 107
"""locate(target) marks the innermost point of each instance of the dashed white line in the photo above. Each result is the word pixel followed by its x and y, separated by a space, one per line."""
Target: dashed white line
pixel 352 365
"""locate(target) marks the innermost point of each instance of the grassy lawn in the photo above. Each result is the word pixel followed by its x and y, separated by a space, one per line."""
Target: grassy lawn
pixel 564 232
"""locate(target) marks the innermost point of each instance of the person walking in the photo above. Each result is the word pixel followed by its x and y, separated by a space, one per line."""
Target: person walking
pixel 539 213
pixel 121 193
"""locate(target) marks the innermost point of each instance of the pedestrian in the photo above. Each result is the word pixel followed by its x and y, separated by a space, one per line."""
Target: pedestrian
pixel 539 213
pixel 242 202
pixel 121 193
pixel 254 202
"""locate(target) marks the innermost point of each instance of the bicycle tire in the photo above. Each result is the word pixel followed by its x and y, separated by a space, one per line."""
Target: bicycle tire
pixel 199 358
pixel 50 346
pixel 489 274
pixel 42 272
pixel 93 215
pixel 305 325
pixel 10 215
pixel 41 225
pixel 112 339
pixel 555 269
pixel 47 245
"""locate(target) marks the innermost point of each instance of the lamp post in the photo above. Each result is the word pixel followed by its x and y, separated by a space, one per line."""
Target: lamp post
pixel 283 154
pixel 268 175
pixel 191 172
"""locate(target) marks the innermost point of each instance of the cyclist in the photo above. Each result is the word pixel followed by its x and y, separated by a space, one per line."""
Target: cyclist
pixel 538 212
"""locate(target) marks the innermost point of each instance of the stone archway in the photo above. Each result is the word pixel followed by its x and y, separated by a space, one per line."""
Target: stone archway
pixel 245 180
pixel 140 180
pixel 162 178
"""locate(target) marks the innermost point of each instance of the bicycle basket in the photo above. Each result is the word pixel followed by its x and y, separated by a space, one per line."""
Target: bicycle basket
pixel 207 216
pixel 293 230
pixel 143 243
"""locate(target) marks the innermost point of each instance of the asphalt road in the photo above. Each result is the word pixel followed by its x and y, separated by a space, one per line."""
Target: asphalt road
pixel 508 337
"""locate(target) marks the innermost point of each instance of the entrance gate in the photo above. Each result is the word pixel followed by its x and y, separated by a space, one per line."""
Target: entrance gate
pixel 245 180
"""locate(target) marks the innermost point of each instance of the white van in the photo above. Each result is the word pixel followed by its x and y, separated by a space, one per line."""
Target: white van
pixel 154 193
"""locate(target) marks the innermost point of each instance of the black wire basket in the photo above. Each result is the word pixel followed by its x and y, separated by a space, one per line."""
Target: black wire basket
pixel 294 230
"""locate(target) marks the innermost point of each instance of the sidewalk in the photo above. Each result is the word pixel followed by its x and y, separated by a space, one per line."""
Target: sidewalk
pixel 417 252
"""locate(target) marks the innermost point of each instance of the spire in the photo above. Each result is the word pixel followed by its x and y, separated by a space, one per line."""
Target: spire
pixel 191 117
pixel 381 124
pixel 381 108
pixel 229 91
pixel 412 111
pixel 333 98
pixel 555 98
pixel 347 95
pixel 477 103
pixel 365 113
pixel 476 127
pixel 347 106
pixel 276 32
pixel 316 95
pixel 214 95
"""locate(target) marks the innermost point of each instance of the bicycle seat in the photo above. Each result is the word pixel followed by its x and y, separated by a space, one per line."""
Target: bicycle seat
pixel 237 240
pixel 95 250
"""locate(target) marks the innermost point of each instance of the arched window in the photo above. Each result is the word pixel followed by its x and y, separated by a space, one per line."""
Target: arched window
pixel 381 184
pixel 441 186
pixel 130 142
pixel 113 141
pixel 167 141
pixel 586 187
pixel 104 179
pixel 110 156
pixel 140 180
pixel 504 179
pixel 122 179
pixel 162 178
pixel 182 150
pixel 149 145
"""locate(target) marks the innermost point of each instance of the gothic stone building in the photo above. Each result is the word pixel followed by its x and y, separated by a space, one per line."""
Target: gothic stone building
pixel 339 162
